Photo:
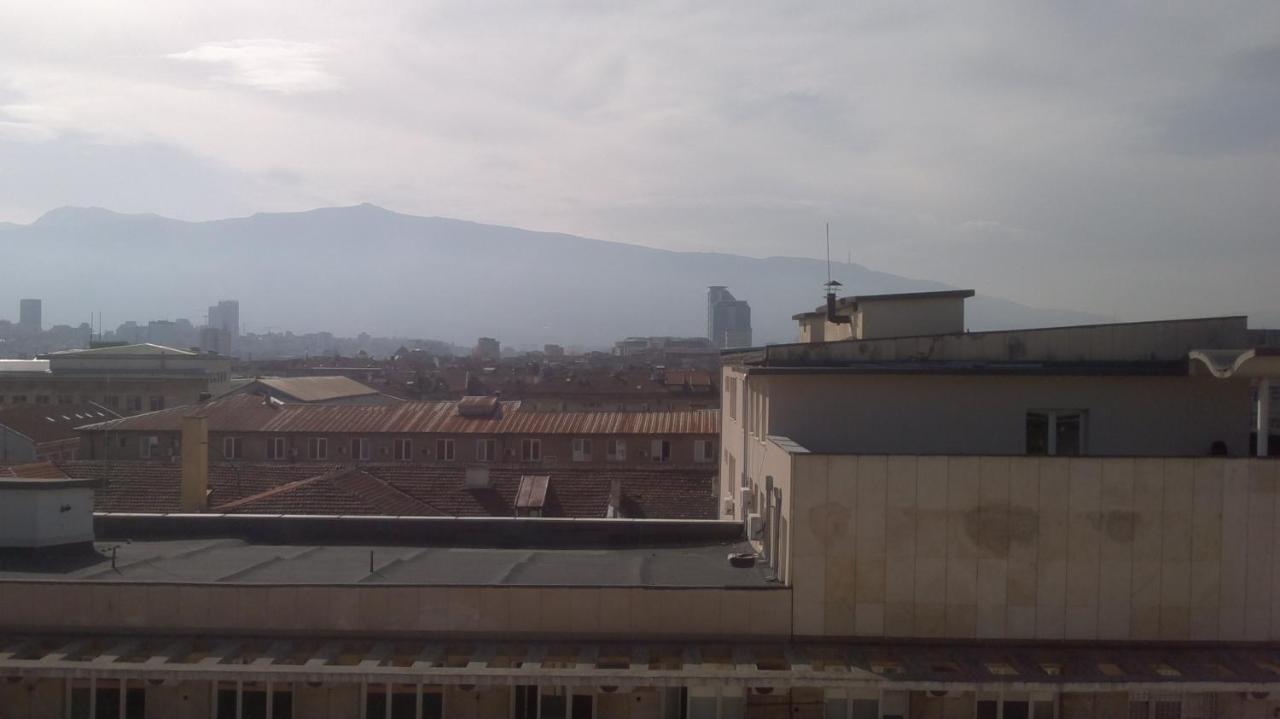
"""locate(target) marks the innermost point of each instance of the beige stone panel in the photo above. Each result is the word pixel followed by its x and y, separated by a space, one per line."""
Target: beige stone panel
pixel 993 481
pixel 1235 559
pixel 433 609
pixel 1083 579
pixel 464 609
pixel 1179 499
pixel 931 483
pixel 282 604
pixel 839 599
pixel 1206 512
pixel 1051 583
pixel 735 614
pixel 1263 490
pixel 1144 623
pixel 223 608
pixel 1115 595
pixel 962 581
pixel 698 611
pixel 1055 504
pixel 1020 622
pixel 1148 507
pixel 809 538
pixel 1144 589
pixel 963 500
pixel 869 619
pixel 870 525
pixel 842 503
pixel 33 605
pixel 870 573
pixel 495 609
pixel 900 533
pixel 1024 509
pixel 770 611
pixel 962 621
pixel 1082 623
pixel 524 609
pixel 900 580
pixel 1021 589
pixel 1175 623
pixel 1204 623
pixel 585 605
pixel 899 619
pixel 930 620
pixel 992 584
pixel 615 612
pixel 931 581
pixel 900 482
pixel 990 621
pixel 809 594
pixel 931 534
pixel 1206 584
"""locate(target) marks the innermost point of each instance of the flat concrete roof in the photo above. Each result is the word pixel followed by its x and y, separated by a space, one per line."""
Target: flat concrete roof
pixel 236 561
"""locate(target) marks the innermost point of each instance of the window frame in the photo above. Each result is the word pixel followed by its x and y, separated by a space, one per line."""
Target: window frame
pixel 660 450
pixel 1051 417
pixel 582 449
pixel 236 447
pixel 402 449
pixel 616 450
pixel 446 449
pixel 530 449
pixel 277 448
pixel 317 448
pixel 486 450
pixel 704 451
pixel 360 449
pixel 148 446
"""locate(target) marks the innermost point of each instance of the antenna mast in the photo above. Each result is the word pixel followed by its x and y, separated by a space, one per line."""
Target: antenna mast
pixel 828 253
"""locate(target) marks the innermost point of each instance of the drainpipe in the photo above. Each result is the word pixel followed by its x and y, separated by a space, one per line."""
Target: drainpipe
pixel 1264 417
pixel 743 479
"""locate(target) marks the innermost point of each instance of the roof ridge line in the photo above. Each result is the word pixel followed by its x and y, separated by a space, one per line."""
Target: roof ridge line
pixel 400 492
pixel 280 489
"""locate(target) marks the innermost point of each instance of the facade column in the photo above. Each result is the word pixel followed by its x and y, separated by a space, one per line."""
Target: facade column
pixel 1264 416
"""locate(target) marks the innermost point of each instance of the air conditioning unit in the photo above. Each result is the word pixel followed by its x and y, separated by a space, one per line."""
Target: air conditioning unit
pixel 728 508
pixel 755 526
pixel 746 499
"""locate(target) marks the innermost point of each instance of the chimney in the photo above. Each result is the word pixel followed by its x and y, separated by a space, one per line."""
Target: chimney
pixel 195 464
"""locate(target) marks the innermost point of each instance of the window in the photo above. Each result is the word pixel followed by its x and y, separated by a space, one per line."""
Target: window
pixel 486 450
pixel 231 448
pixel 444 450
pixel 19 399
pixel 531 450
pixel 1056 432
pixel 42 399
pixel 731 397
pixel 157 404
pixel 1142 706
pixel 360 448
pixel 111 401
pixel 660 450
pixel 65 399
pixel 582 450
pixel 402 449
pixel 276 448
pixel 134 404
pixel 150 447
pixel 317 448
pixel 617 450
pixel 843 704
pixel 704 450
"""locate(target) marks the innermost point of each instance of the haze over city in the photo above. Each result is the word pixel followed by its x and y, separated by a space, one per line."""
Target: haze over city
pixel 1114 161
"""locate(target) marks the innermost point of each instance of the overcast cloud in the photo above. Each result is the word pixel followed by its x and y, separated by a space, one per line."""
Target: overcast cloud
pixel 1106 157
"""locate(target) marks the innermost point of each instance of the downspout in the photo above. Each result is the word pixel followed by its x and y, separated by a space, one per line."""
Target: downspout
pixel 743 481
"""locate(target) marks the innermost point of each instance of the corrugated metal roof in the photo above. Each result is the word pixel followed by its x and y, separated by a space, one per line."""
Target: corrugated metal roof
pixel 246 413
pixel 52 422
pixel 317 389
pixel 532 493
pixel 23 365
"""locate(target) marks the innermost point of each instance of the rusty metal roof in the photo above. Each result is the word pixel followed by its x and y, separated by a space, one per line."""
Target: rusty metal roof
pixel 247 413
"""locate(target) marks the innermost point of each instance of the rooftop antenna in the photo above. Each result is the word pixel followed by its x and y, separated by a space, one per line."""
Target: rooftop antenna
pixel 831 285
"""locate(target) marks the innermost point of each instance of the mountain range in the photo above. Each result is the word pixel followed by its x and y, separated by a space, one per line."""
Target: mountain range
pixel 364 268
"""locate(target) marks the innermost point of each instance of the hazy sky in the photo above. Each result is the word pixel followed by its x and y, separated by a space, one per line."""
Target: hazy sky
pixel 1100 156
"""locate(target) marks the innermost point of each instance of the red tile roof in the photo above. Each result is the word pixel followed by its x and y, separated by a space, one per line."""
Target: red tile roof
pixel 245 413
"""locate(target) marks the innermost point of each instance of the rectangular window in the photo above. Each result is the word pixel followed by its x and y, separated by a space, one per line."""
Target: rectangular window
pixel 731 397
pixel 317 448
pixel 134 404
pixel 150 447
pixel 617 450
pixel 111 401
pixel 704 450
pixel 65 399
pixel 1055 432
pixel 231 448
pixel 531 450
pixel 157 404
pixel 42 399
pixel 403 449
pixel 360 448
pixel 660 450
pixel 444 450
pixel 276 448
pixel 582 450
pixel 19 399
pixel 486 450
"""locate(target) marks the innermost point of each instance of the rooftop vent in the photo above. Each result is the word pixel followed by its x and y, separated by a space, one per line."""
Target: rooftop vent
pixel 45 513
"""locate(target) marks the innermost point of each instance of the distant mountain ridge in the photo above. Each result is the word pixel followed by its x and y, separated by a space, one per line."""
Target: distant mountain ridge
pixel 364 268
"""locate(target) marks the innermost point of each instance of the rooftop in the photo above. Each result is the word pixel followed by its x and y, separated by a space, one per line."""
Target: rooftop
pixel 236 561
pixel 248 413
pixel 314 389
pixel 144 349
pixel 23 366
pixel 51 422
pixel 390 489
